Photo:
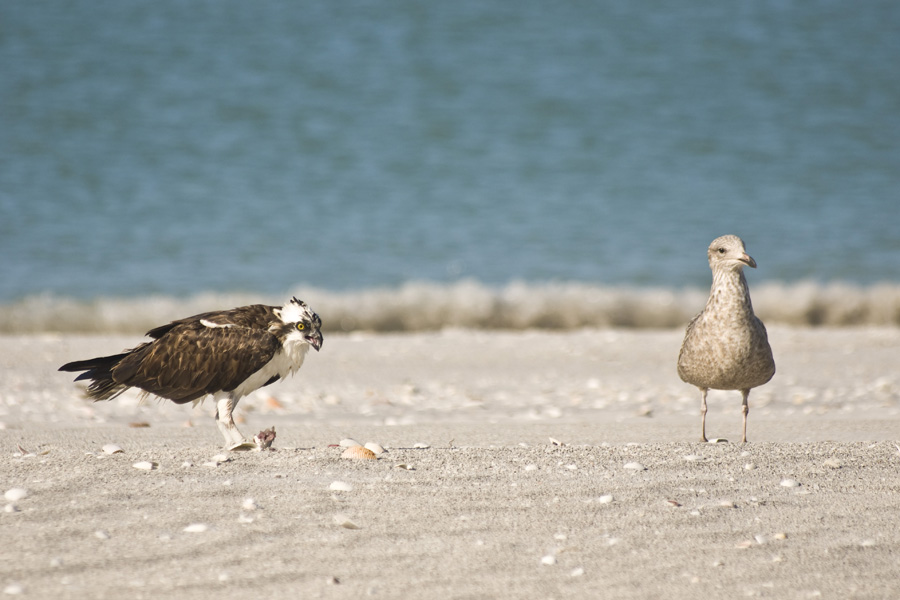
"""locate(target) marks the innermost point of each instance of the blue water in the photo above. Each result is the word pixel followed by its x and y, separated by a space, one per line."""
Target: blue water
pixel 178 148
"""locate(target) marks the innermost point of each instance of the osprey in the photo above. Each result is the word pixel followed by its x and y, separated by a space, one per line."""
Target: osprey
pixel 227 353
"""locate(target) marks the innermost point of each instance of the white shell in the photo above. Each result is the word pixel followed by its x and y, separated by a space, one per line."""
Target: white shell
pixel 249 504
pixel 375 447
pixel 112 449
pixel 145 465
pixel 349 443
pixel 196 528
pixel 790 483
pixel 634 466
pixel 345 522
pixel 605 499
pixel 548 560
pixel 15 494
pixel 421 446
pixel 340 486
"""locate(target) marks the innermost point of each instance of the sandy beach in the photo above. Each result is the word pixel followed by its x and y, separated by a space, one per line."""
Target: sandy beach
pixel 527 464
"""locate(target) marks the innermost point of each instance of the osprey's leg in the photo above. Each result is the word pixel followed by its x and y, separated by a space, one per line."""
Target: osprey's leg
pixel 703 391
pixel 234 440
pixel 745 408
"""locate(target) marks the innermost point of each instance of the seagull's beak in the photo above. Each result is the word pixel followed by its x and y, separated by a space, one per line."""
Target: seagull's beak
pixel 747 260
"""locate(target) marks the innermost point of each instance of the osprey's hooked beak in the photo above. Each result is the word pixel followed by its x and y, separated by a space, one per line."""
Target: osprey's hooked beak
pixel 747 260
pixel 315 340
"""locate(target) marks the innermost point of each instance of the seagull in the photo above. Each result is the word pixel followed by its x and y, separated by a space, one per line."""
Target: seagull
pixel 726 347
pixel 227 354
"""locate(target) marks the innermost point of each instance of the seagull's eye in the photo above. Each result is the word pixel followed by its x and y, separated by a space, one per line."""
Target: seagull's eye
pixel 300 326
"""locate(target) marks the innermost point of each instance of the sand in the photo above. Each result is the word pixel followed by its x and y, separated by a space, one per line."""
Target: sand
pixel 630 505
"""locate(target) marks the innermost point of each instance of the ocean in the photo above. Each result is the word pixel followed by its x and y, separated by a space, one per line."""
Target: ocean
pixel 478 163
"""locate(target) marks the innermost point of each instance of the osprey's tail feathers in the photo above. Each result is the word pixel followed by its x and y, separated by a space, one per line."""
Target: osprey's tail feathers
pixel 99 371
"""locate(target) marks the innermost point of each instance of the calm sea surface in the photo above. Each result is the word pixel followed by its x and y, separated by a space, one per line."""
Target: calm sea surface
pixel 176 148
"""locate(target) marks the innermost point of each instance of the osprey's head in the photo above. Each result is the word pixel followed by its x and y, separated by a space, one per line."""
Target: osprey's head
pixel 727 252
pixel 299 321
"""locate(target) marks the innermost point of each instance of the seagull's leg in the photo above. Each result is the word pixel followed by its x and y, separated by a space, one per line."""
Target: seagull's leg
pixel 233 438
pixel 745 408
pixel 703 391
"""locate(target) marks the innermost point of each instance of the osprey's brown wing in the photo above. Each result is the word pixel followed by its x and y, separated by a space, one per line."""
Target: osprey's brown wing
pixel 190 359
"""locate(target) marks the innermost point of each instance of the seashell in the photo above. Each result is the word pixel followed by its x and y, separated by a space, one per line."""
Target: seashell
pixel 249 504
pixel 14 589
pixel 145 465
pixel 548 560
pixel 780 536
pixel 242 518
pixel 340 486
pixel 101 535
pixel 348 443
pixel 605 499
pixel 718 441
pixel 375 447
pixel 112 449
pixel 421 446
pixel 556 442
pixel 10 508
pixel 405 467
pixel 576 572
pixel 749 467
pixel 15 494
pixel 196 528
pixel 833 463
pixel 790 483
pixel 531 467
pixel 358 452
pixel 139 424
pixel 634 466
pixel 345 522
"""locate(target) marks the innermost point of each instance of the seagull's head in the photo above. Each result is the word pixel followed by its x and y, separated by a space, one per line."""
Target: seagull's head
pixel 299 321
pixel 727 252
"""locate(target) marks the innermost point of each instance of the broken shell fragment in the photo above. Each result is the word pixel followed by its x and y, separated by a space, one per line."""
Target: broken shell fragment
pixel 145 465
pixel 358 452
pixel 345 522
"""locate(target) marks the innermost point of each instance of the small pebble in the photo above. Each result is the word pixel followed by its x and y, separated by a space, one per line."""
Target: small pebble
pixel 15 494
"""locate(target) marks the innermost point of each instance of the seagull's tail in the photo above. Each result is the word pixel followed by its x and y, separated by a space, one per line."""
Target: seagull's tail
pixel 99 371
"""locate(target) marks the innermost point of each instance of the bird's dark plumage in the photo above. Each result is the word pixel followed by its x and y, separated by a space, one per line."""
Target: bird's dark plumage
pixel 227 354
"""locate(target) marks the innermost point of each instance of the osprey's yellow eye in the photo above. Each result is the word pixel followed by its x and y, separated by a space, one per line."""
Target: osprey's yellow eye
pixel 300 326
